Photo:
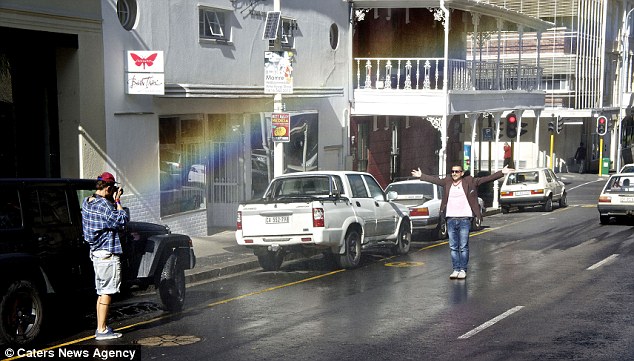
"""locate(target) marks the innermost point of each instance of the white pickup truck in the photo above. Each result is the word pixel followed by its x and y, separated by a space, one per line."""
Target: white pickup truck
pixel 340 213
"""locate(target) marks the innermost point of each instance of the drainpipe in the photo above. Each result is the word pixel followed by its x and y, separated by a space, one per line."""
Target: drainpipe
pixel 443 133
pixel 347 118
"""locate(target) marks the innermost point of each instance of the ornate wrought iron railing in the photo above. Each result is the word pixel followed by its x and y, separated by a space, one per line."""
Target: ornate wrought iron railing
pixel 427 74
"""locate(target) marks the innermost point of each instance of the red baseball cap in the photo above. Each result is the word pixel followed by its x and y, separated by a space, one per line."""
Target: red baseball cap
pixel 106 177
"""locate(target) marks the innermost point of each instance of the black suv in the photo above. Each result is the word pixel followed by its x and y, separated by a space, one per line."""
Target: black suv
pixel 43 254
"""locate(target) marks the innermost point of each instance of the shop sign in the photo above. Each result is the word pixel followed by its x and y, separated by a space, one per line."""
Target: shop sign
pixel 145 72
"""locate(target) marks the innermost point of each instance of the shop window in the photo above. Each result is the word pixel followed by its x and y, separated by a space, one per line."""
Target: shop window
pixel 183 164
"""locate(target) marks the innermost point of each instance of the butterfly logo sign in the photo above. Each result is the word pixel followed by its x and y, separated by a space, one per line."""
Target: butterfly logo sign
pixel 145 61
pixel 138 61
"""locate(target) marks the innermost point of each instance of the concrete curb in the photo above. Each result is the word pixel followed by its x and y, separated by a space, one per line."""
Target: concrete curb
pixel 206 273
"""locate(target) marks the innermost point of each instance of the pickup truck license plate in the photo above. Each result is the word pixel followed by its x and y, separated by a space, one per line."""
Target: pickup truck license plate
pixel 522 193
pixel 273 220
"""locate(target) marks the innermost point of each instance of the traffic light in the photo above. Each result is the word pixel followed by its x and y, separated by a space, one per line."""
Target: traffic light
pixel 522 130
pixel 552 125
pixel 511 125
pixel 560 124
pixel 602 125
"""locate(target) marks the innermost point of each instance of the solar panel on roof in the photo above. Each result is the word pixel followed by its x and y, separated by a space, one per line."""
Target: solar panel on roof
pixel 271 25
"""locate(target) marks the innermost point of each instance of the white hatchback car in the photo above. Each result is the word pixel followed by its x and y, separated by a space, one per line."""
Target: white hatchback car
pixel 532 187
pixel 617 197
pixel 423 201
pixel 627 168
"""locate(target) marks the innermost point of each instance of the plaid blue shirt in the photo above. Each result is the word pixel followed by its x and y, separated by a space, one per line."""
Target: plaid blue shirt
pixel 101 222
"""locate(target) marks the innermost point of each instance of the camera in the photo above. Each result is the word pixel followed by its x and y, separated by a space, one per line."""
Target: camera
pixel 116 189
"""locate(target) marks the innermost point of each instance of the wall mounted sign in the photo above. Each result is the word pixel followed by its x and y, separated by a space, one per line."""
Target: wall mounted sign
pixel 145 72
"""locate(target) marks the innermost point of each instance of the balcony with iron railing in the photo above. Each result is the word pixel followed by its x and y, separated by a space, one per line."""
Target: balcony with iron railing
pixel 427 74
pixel 408 83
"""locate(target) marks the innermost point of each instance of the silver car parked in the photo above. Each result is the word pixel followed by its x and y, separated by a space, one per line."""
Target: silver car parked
pixel 423 201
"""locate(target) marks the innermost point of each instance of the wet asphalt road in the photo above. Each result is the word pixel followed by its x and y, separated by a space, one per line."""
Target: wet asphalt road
pixel 541 286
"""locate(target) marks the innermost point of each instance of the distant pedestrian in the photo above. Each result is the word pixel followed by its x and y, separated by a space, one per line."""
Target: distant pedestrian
pixel 507 155
pixel 580 156
pixel 102 219
pixel 459 205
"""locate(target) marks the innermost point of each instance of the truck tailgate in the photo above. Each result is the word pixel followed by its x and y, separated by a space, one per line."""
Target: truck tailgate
pixel 277 219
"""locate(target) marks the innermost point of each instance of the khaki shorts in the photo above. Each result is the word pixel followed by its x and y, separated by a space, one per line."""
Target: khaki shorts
pixel 107 272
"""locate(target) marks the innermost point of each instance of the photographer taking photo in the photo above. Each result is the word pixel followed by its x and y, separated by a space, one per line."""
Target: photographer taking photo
pixel 103 217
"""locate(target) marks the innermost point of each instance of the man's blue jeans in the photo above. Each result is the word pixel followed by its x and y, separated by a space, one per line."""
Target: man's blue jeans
pixel 458 230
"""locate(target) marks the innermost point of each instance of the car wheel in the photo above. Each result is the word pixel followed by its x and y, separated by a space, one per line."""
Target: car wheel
pixel 352 256
pixel 440 232
pixel 563 201
pixel 548 206
pixel 403 239
pixel 271 260
pixel 171 285
pixel 505 209
pixel 604 219
pixel 21 311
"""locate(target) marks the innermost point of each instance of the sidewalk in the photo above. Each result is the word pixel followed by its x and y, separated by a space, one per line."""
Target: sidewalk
pixel 219 255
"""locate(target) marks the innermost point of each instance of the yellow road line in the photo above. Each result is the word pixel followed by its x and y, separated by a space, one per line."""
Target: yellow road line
pixel 255 293
pixel 274 288
pixel 159 318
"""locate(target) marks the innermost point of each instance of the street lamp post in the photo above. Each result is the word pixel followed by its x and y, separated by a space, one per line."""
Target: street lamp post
pixel 624 65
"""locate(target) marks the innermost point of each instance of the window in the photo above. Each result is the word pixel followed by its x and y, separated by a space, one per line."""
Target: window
pixel 213 24
pixel 419 188
pixel 10 209
pixel 523 178
pixel 50 207
pixel 334 36
pixel 288 33
pixel 183 166
pixel 375 189
pixel 357 185
pixel 287 37
pixel 127 11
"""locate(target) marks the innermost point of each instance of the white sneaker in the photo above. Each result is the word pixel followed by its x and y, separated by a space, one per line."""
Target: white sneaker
pixel 454 275
pixel 462 275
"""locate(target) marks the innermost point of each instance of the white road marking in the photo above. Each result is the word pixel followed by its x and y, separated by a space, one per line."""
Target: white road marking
pixel 586 183
pixel 490 322
pixel 599 264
